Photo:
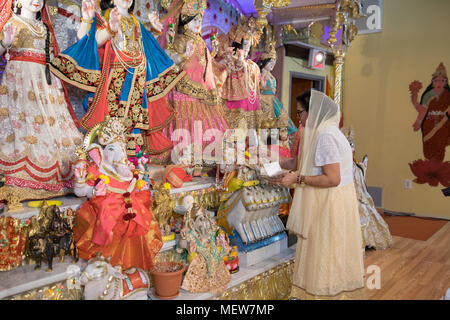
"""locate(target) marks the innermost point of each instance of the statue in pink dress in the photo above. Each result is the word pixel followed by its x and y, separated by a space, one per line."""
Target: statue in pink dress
pixel 195 100
pixel 241 87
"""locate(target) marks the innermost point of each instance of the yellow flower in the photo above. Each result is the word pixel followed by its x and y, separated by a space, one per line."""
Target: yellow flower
pixel 247 154
pixel 167 186
pixel 140 184
pixel 104 178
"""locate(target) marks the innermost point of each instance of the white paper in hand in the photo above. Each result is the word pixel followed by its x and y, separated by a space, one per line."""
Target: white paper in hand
pixel 273 169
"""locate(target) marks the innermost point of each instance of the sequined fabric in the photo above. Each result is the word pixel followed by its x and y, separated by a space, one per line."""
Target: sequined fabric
pixel 374 229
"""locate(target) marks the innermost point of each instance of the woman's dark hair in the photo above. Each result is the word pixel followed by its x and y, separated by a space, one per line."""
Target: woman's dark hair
pixel 263 63
pixel 47 56
pixel 304 98
pixel 184 22
pixel 109 4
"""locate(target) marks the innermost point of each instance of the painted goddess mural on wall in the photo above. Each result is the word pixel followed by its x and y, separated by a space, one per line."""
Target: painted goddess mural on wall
pixel 433 120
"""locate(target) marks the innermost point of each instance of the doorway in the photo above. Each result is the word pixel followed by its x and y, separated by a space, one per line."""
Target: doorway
pixel 301 82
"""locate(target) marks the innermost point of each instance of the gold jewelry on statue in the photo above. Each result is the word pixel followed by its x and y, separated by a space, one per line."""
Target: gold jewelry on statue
pixel 36 27
pixel 87 21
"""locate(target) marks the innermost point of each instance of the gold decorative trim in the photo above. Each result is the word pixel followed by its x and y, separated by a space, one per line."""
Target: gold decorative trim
pixel 198 91
pixel 273 284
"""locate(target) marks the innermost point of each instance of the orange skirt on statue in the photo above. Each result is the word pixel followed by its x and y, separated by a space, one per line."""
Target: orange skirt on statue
pixel 102 227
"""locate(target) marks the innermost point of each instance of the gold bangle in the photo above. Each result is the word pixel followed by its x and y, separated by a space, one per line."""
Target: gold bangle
pixel 111 33
pixel 80 181
pixel 87 21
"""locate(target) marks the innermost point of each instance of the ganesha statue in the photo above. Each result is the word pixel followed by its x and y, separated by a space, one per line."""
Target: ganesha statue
pixel 117 220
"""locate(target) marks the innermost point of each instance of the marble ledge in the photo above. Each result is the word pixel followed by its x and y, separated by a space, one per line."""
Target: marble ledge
pixel 244 274
pixel 72 201
pixel 25 278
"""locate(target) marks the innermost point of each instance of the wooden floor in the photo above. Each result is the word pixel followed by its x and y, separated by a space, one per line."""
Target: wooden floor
pixel 412 269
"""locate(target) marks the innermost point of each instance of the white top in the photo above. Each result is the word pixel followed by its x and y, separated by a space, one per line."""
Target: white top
pixel 333 147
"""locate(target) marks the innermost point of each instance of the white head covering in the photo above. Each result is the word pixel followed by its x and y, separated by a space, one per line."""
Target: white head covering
pixel 323 112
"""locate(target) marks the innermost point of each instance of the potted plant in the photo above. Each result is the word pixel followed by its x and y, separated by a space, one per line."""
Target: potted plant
pixel 167 278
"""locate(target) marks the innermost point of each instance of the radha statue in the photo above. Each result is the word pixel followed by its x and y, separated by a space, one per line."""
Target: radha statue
pixel 196 97
pixel 241 87
pixel 38 131
pixel 133 80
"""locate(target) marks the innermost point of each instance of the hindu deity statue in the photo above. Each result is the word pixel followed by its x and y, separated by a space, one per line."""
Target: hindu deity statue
pixel 38 131
pixel 195 98
pixel 131 81
pixel 270 105
pixel 117 220
pixel 433 114
pixel 241 87
pixel 375 231
pixel 207 271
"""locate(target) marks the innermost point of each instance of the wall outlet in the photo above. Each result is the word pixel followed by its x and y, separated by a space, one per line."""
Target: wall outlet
pixel 408 184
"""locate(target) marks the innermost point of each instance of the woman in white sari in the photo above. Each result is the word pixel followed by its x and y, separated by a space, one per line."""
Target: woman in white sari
pixel 324 213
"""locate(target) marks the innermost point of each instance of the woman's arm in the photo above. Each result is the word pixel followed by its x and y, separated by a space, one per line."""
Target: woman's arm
pixel 330 177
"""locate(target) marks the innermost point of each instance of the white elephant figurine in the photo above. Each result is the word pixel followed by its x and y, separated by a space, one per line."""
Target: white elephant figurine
pixel 102 281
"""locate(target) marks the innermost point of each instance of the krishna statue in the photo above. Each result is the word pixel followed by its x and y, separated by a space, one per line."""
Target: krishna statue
pixel 132 80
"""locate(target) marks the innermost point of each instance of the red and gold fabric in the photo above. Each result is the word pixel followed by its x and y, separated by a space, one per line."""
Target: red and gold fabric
pixel 103 226
pixel 13 236
pixel 176 176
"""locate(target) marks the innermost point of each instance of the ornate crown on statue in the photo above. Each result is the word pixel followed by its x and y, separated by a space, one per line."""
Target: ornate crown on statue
pixel 270 52
pixel 246 29
pixel 192 8
pixel 440 71
pixel 109 131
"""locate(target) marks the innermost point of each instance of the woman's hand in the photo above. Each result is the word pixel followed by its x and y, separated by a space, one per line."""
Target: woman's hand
pixel 289 179
pixel 88 9
pixel 285 179
pixel 114 20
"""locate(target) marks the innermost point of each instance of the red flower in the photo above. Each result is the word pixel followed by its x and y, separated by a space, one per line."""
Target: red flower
pixel 415 86
pixel 431 171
